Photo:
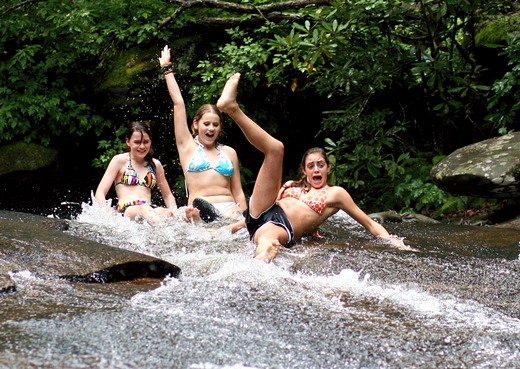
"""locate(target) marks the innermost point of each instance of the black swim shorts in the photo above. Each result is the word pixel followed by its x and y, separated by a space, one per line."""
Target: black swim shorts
pixel 275 215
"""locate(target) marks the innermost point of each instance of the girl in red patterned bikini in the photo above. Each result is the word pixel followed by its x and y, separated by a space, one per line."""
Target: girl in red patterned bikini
pixel 280 216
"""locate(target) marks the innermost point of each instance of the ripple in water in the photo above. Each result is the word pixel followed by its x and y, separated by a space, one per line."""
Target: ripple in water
pixel 330 303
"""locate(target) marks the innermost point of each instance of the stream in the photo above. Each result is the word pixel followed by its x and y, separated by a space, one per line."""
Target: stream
pixel 345 300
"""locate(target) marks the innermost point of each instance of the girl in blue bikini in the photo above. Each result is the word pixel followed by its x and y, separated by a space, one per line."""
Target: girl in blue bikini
pixel 280 215
pixel 134 175
pixel 211 170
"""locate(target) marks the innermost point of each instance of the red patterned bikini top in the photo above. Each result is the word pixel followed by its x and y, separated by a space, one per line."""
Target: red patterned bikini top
pixel 317 201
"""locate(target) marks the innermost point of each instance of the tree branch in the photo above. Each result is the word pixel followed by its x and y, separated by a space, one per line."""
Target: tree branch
pixel 267 11
pixel 231 22
pixel 14 7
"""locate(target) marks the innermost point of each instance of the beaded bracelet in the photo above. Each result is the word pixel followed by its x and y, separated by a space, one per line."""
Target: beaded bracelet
pixel 166 68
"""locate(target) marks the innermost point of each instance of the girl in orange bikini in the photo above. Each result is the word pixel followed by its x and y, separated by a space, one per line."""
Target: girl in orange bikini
pixel 134 175
pixel 280 216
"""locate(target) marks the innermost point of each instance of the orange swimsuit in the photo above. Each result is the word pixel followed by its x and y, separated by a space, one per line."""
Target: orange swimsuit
pixel 316 201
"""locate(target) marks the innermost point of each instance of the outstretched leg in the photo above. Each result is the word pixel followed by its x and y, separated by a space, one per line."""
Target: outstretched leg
pixel 269 177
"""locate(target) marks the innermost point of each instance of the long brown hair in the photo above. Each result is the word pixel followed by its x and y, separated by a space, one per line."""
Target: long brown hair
pixel 141 127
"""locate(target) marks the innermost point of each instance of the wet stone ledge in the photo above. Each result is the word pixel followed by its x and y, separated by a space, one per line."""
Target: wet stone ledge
pixel 40 245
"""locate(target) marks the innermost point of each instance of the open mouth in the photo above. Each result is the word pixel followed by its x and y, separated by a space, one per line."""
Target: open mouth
pixel 317 179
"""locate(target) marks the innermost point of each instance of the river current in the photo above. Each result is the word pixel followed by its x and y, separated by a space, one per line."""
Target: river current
pixel 343 300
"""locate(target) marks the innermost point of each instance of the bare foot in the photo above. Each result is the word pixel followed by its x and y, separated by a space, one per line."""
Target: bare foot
pixel 228 99
pixel 192 214
pixel 268 251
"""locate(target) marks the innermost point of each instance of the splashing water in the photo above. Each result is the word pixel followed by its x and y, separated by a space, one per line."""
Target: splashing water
pixel 343 301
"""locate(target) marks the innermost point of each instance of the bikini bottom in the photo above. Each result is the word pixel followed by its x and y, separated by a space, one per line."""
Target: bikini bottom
pixel 121 207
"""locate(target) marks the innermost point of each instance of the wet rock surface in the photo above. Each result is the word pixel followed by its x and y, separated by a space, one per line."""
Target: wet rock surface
pixel 40 245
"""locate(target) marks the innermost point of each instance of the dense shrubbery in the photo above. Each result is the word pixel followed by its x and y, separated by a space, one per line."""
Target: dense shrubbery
pixel 396 81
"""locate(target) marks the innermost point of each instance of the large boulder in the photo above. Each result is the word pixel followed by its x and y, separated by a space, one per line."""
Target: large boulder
pixel 41 246
pixel 489 168
pixel 21 156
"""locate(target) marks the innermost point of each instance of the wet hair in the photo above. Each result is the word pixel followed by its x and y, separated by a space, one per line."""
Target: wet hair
pixel 302 182
pixel 141 127
pixel 206 108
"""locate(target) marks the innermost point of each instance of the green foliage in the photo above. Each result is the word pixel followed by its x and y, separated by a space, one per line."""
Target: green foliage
pixel 362 49
pixel 504 104
pixel 247 52
pixel 52 56
pixel 419 195
pixel 365 148
pixel 110 148
pixel 389 182
pixel 243 53
pixel 399 78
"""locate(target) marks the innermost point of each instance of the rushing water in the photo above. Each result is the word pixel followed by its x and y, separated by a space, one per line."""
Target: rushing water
pixel 343 301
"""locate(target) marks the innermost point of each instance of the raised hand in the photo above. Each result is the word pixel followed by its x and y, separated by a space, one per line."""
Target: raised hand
pixel 165 55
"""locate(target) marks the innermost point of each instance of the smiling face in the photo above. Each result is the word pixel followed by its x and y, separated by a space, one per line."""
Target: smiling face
pixel 139 144
pixel 207 124
pixel 208 128
pixel 316 169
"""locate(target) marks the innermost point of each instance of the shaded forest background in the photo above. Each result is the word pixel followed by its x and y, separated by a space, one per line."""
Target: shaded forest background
pixel 387 87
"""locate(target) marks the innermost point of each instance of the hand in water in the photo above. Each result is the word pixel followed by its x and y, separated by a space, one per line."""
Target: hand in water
pixel 397 242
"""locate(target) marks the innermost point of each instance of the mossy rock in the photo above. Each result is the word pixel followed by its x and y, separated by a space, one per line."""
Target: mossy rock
pixel 138 65
pixel 128 67
pixel 496 30
pixel 23 156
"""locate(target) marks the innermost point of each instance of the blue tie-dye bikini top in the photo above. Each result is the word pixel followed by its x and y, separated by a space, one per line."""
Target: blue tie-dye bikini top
pixel 131 177
pixel 200 162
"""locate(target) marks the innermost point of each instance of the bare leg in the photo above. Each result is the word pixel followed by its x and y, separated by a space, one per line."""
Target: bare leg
pixel 156 215
pixel 269 239
pixel 238 225
pixel 269 177
pixel 145 211
pixel 189 212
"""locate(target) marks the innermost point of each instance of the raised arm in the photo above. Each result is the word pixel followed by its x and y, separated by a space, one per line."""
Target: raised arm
pixel 182 132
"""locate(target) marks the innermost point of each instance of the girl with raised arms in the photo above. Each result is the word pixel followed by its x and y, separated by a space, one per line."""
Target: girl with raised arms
pixel 211 170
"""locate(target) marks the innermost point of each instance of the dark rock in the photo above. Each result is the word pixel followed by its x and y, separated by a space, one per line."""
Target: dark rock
pixel 39 245
pixel 513 224
pixel 386 216
pixel 21 156
pixel 7 284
